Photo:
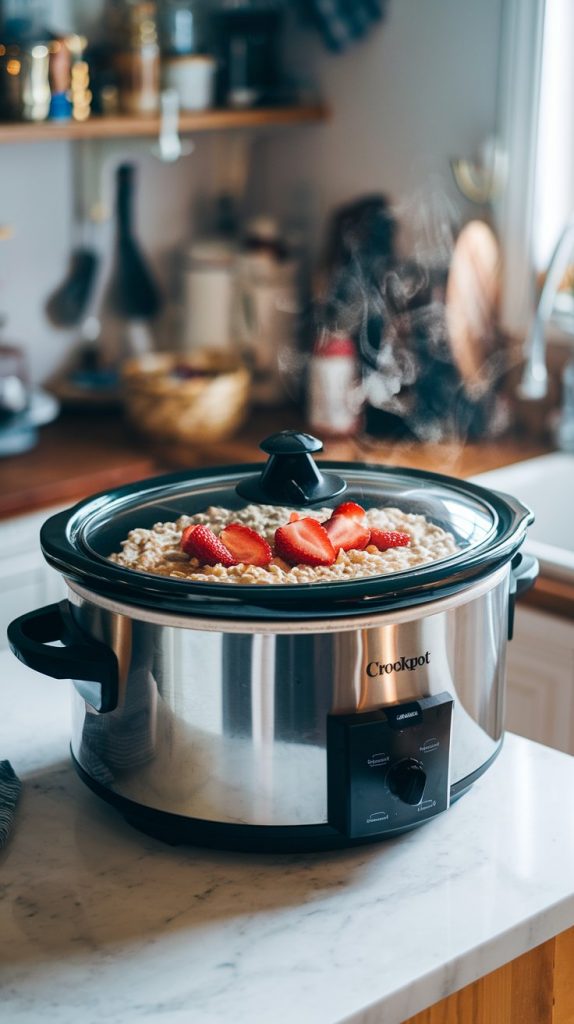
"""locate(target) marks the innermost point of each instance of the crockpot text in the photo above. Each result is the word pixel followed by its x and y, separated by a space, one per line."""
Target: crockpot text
pixel 377 668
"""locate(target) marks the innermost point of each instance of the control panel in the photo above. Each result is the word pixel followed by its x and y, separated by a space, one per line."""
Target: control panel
pixel 389 769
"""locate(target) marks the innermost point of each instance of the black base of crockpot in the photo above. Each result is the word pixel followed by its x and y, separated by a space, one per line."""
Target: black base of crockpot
pixel 176 829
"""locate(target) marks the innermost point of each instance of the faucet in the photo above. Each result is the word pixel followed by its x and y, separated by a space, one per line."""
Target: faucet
pixel 534 383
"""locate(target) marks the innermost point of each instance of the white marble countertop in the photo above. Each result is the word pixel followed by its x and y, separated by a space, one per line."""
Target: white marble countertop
pixel 99 923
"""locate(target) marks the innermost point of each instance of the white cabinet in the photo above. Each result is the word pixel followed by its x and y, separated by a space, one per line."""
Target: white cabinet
pixel 540 691
pixel 26 581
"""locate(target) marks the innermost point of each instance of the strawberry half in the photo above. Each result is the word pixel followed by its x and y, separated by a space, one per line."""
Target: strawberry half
pixel 384 539
pixel 202 543
pixel 347 533
pixel 185 537
pixel 304 542
pixel 349 509
pixel 246 545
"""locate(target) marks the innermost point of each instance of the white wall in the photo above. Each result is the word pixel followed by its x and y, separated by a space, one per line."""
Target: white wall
pixel 36 203
pixel 35 206
pixel 421 89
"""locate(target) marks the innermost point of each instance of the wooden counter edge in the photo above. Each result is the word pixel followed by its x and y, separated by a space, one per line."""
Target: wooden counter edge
pixel 535 988
pixel 47 495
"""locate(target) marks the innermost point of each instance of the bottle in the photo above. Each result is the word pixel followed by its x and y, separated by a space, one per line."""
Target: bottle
pixel 138 61
pixel 333 390
pixel 132 300
pixel 60 75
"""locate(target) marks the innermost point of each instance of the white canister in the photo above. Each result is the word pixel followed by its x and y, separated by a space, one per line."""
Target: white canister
pixel 193 78
pixel 208 295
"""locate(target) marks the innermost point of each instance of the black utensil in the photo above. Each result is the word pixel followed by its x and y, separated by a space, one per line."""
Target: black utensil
pixel 67 303
pixel 65 306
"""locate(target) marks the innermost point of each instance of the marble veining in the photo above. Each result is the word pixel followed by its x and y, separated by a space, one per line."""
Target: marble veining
pixel 98 922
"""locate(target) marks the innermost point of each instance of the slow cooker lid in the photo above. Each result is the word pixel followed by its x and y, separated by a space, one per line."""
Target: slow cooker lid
pixel 471 519
pixel 488 528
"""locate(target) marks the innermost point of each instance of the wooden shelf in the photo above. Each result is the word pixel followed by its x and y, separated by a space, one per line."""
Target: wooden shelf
pixel 148 127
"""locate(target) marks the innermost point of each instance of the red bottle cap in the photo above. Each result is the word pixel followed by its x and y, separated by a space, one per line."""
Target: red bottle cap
pixel 329 345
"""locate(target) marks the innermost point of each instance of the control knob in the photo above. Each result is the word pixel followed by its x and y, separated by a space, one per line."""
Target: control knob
pixel 406 780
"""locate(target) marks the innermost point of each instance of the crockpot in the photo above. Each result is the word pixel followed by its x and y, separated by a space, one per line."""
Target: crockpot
pixel 288 716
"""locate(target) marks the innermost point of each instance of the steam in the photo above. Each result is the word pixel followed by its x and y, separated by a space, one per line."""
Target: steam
pixel 431 221
pixel 395 309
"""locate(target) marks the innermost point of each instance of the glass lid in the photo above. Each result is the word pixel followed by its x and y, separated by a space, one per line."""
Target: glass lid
pixel 292 529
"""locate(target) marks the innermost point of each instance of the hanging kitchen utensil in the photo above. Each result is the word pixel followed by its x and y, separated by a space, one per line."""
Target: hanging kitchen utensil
pixel 66 305
pixel 169 146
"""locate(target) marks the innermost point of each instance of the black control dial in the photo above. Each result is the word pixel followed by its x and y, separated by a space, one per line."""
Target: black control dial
pixel 406 779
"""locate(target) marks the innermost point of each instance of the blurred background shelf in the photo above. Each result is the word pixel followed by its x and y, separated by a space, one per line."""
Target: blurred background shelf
pixel 141 127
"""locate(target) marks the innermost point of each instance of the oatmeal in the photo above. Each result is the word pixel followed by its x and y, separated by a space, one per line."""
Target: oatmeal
pixel 158 550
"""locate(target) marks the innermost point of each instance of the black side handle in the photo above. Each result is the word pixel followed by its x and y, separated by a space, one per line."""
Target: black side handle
pixel 524 571
pixel 91 665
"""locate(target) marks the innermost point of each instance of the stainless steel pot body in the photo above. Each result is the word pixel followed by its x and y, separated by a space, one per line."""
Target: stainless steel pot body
pixel 226 721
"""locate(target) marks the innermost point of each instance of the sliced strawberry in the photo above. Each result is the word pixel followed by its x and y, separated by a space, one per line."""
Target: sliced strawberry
pixel 294 517
pixel 185 537
pixel 347 533
pixel 384 539
pixel 246 545
pixel 304 542
pixel 202 543
pixel 350 509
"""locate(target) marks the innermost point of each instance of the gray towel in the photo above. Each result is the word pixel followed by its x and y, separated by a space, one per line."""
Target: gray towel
pixel 10 787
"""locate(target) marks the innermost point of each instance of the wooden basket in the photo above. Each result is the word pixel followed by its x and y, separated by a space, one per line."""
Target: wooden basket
pixel 166 406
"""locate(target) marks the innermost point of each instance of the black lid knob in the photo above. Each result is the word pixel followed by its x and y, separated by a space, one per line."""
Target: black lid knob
pixel 290 475
pixel 290 442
